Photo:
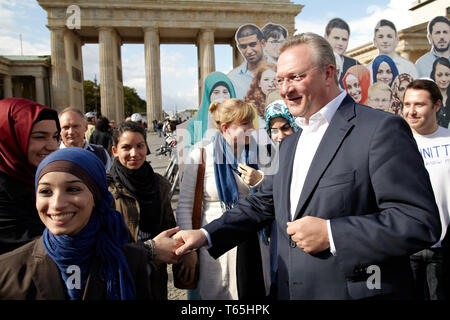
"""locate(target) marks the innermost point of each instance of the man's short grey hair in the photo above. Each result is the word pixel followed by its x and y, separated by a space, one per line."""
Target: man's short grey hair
pixel 323 54
pixel 73 109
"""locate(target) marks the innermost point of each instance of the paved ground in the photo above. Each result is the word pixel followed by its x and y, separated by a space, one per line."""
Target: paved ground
pixel 159 164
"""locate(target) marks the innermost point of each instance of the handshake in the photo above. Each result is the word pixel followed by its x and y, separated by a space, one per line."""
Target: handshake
pixel 172 244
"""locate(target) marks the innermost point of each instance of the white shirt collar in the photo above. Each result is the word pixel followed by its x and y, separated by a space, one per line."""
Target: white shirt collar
pixel 326 113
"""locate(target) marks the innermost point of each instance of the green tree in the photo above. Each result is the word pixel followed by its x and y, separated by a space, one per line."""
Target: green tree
pixel 91 96
pixel 132 102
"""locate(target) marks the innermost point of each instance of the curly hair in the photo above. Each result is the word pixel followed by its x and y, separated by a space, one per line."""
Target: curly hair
pixel 254 93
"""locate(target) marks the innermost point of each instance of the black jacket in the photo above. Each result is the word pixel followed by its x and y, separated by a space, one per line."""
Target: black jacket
pixel 101 138
pixel 19 220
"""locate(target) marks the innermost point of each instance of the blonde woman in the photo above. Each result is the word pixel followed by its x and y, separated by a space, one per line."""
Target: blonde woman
pixel 230 175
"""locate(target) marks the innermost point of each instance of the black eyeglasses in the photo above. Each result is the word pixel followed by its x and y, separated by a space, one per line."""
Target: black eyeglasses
pixel 251 45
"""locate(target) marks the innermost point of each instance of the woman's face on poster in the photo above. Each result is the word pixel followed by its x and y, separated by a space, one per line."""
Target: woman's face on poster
pixel 385 40
pixel 384 73
pixel 220 94
pixel 268 81
pixel 353 87
pixel 401 90
pixel 442 76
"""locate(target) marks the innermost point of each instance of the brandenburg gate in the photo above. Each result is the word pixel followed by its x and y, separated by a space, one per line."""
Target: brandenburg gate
pixel 112 23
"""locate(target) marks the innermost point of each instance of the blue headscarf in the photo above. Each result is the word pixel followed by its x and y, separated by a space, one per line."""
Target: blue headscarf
pixel 376 64
pixel 199 123
pixel 278 109
pixel 225 163
pixel 102 237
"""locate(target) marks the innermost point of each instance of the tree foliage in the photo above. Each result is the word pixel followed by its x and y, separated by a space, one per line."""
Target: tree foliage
pixel 132 102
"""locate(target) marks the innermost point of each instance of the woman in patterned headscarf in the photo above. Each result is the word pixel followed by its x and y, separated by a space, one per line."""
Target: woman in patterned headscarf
pixel 279 121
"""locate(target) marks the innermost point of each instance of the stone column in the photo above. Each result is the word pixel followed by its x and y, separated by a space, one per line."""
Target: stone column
pixel 7 86
pixel 152 75
pixel 107 74
pixel 206 59
pixel 40 93
pixel 59 81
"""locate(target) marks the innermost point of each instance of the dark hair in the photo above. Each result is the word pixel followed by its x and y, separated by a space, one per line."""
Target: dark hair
pixel 427 85
pixel 436 20
pixel 336 23
pixel 385 23
pixel 271 30
pixel 102 124
pixel 249 30
pixel 124 127
pixel 440 60
pixel 49 114
pixel 220 83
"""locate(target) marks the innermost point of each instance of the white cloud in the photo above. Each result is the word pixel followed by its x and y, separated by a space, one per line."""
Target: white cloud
pixel 362 29
pixel 91 67
pixel 10 45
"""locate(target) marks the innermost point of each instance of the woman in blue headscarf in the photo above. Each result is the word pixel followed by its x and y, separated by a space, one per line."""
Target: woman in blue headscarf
pixel 384 70
pixel 84 242
pixel 217 88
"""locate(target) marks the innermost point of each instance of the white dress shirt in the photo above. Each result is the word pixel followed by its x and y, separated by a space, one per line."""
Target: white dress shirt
pixel 310 138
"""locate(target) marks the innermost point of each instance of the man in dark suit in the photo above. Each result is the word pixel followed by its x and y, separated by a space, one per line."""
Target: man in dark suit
pixel 352 198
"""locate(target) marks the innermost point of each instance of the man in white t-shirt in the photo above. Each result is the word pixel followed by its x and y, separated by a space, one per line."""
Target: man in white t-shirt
pixel 421 103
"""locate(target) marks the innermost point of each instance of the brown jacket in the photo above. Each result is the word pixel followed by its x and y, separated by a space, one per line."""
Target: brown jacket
pixel 126 204
pixel 28 273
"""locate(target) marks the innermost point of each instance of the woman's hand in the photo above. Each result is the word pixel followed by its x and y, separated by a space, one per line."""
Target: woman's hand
pixel 165 246
pixel 249 175
pixel 187 268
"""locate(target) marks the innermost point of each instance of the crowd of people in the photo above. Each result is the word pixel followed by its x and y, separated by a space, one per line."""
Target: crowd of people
pixel 352 181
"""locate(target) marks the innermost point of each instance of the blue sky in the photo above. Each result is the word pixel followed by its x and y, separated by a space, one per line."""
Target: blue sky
pixel 179 62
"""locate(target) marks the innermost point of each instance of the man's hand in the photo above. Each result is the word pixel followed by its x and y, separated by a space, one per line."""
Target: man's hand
pixel 165 246
pixel 309 233
pixel 188 240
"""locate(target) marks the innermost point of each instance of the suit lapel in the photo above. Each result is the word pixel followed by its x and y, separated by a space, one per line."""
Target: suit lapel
pixel 329 145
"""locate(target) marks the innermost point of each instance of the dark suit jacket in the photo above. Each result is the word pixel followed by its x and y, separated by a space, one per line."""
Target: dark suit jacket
pixel 368 178
pixel 28 273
